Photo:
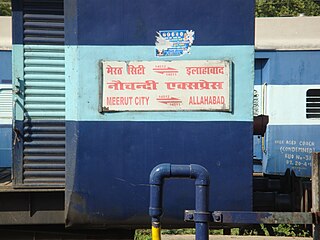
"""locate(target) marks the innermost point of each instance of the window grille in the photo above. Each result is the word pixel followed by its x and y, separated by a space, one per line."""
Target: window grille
pixel 313 103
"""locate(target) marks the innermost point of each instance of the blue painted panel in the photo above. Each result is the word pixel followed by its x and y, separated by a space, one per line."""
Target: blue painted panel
pixel 82 94
pixel 257 72
pixel 261 71
pixel 5 146
pixel 257 153
pixel 292 67
pixel 291 147
pixel 18 73
pixel 108 167
pixel 127 22
pixel 257 147
pixel 17 21
pixel 5 67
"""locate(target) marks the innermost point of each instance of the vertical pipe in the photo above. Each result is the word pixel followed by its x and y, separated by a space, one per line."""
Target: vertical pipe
pixel 156 229
pixel 202 206
pixel 316 192
pixel 156 180
pixel 155 210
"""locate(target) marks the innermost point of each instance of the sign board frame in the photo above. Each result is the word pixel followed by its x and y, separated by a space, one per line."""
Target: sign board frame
pixel 157 86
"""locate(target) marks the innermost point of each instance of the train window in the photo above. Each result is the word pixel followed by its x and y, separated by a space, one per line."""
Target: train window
pixel 5 105
pixel 313 103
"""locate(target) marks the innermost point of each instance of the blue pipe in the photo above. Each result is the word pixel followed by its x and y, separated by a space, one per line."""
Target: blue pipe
pixel 202 182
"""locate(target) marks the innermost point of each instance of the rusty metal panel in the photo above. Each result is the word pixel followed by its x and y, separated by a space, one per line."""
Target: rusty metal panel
pixel 239 217
pixel 262 217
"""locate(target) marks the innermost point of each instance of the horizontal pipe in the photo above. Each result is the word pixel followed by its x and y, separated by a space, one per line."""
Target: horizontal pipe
pixel 166 170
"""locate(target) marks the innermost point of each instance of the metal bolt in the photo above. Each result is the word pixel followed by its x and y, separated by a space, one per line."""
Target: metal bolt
pixel 216 217
pixel 189 216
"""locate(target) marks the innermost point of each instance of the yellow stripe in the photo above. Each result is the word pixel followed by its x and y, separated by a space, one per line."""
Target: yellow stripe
pixel 156 233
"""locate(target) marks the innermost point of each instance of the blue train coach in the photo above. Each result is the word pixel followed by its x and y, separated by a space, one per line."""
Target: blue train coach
pixel 104 91
pixel 287 90
pixel 108 89
pixel 5 94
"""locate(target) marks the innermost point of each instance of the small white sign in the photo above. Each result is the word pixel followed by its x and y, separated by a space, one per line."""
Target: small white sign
pixel 197 85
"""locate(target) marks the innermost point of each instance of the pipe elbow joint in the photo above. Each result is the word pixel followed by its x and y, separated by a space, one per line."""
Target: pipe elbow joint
pixel 159 173
pixel 200 174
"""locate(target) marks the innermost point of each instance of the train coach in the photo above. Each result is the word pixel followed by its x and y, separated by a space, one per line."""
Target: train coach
pixel 106 90
pixel 5 96
pixel 286 92
pixel 94 113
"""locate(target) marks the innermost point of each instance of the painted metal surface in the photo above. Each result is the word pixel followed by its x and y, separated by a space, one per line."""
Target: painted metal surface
pixel 5 92
pixel 5 145
pixel 110 22
pixel 283 81
pixel 290 67
pixel 287 33
pixel 5 103
pixel 287 105
pixel 126 151
pixel 115 151
pixel 5 33
pixel 5 125
pixel 83 64
pixel 42 28
pixel 43 22
pixel 39 73
pixel 291 147
pixel 44 82
pixel 166 85
pixel 44 153
pixel 5 67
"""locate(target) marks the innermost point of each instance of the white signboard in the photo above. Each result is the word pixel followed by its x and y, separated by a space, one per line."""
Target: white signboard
pixel 166 85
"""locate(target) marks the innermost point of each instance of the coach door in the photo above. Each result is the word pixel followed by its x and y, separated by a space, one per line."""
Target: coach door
pixel 39 101
pixel 259 112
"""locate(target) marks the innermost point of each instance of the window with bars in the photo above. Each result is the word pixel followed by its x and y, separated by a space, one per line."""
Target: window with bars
pixel 313 103
pixel 5 104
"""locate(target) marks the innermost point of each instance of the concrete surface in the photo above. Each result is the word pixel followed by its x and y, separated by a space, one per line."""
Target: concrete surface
pixel 221 237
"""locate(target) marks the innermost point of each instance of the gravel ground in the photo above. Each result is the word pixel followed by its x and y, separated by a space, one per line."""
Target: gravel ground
pixel 221 237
